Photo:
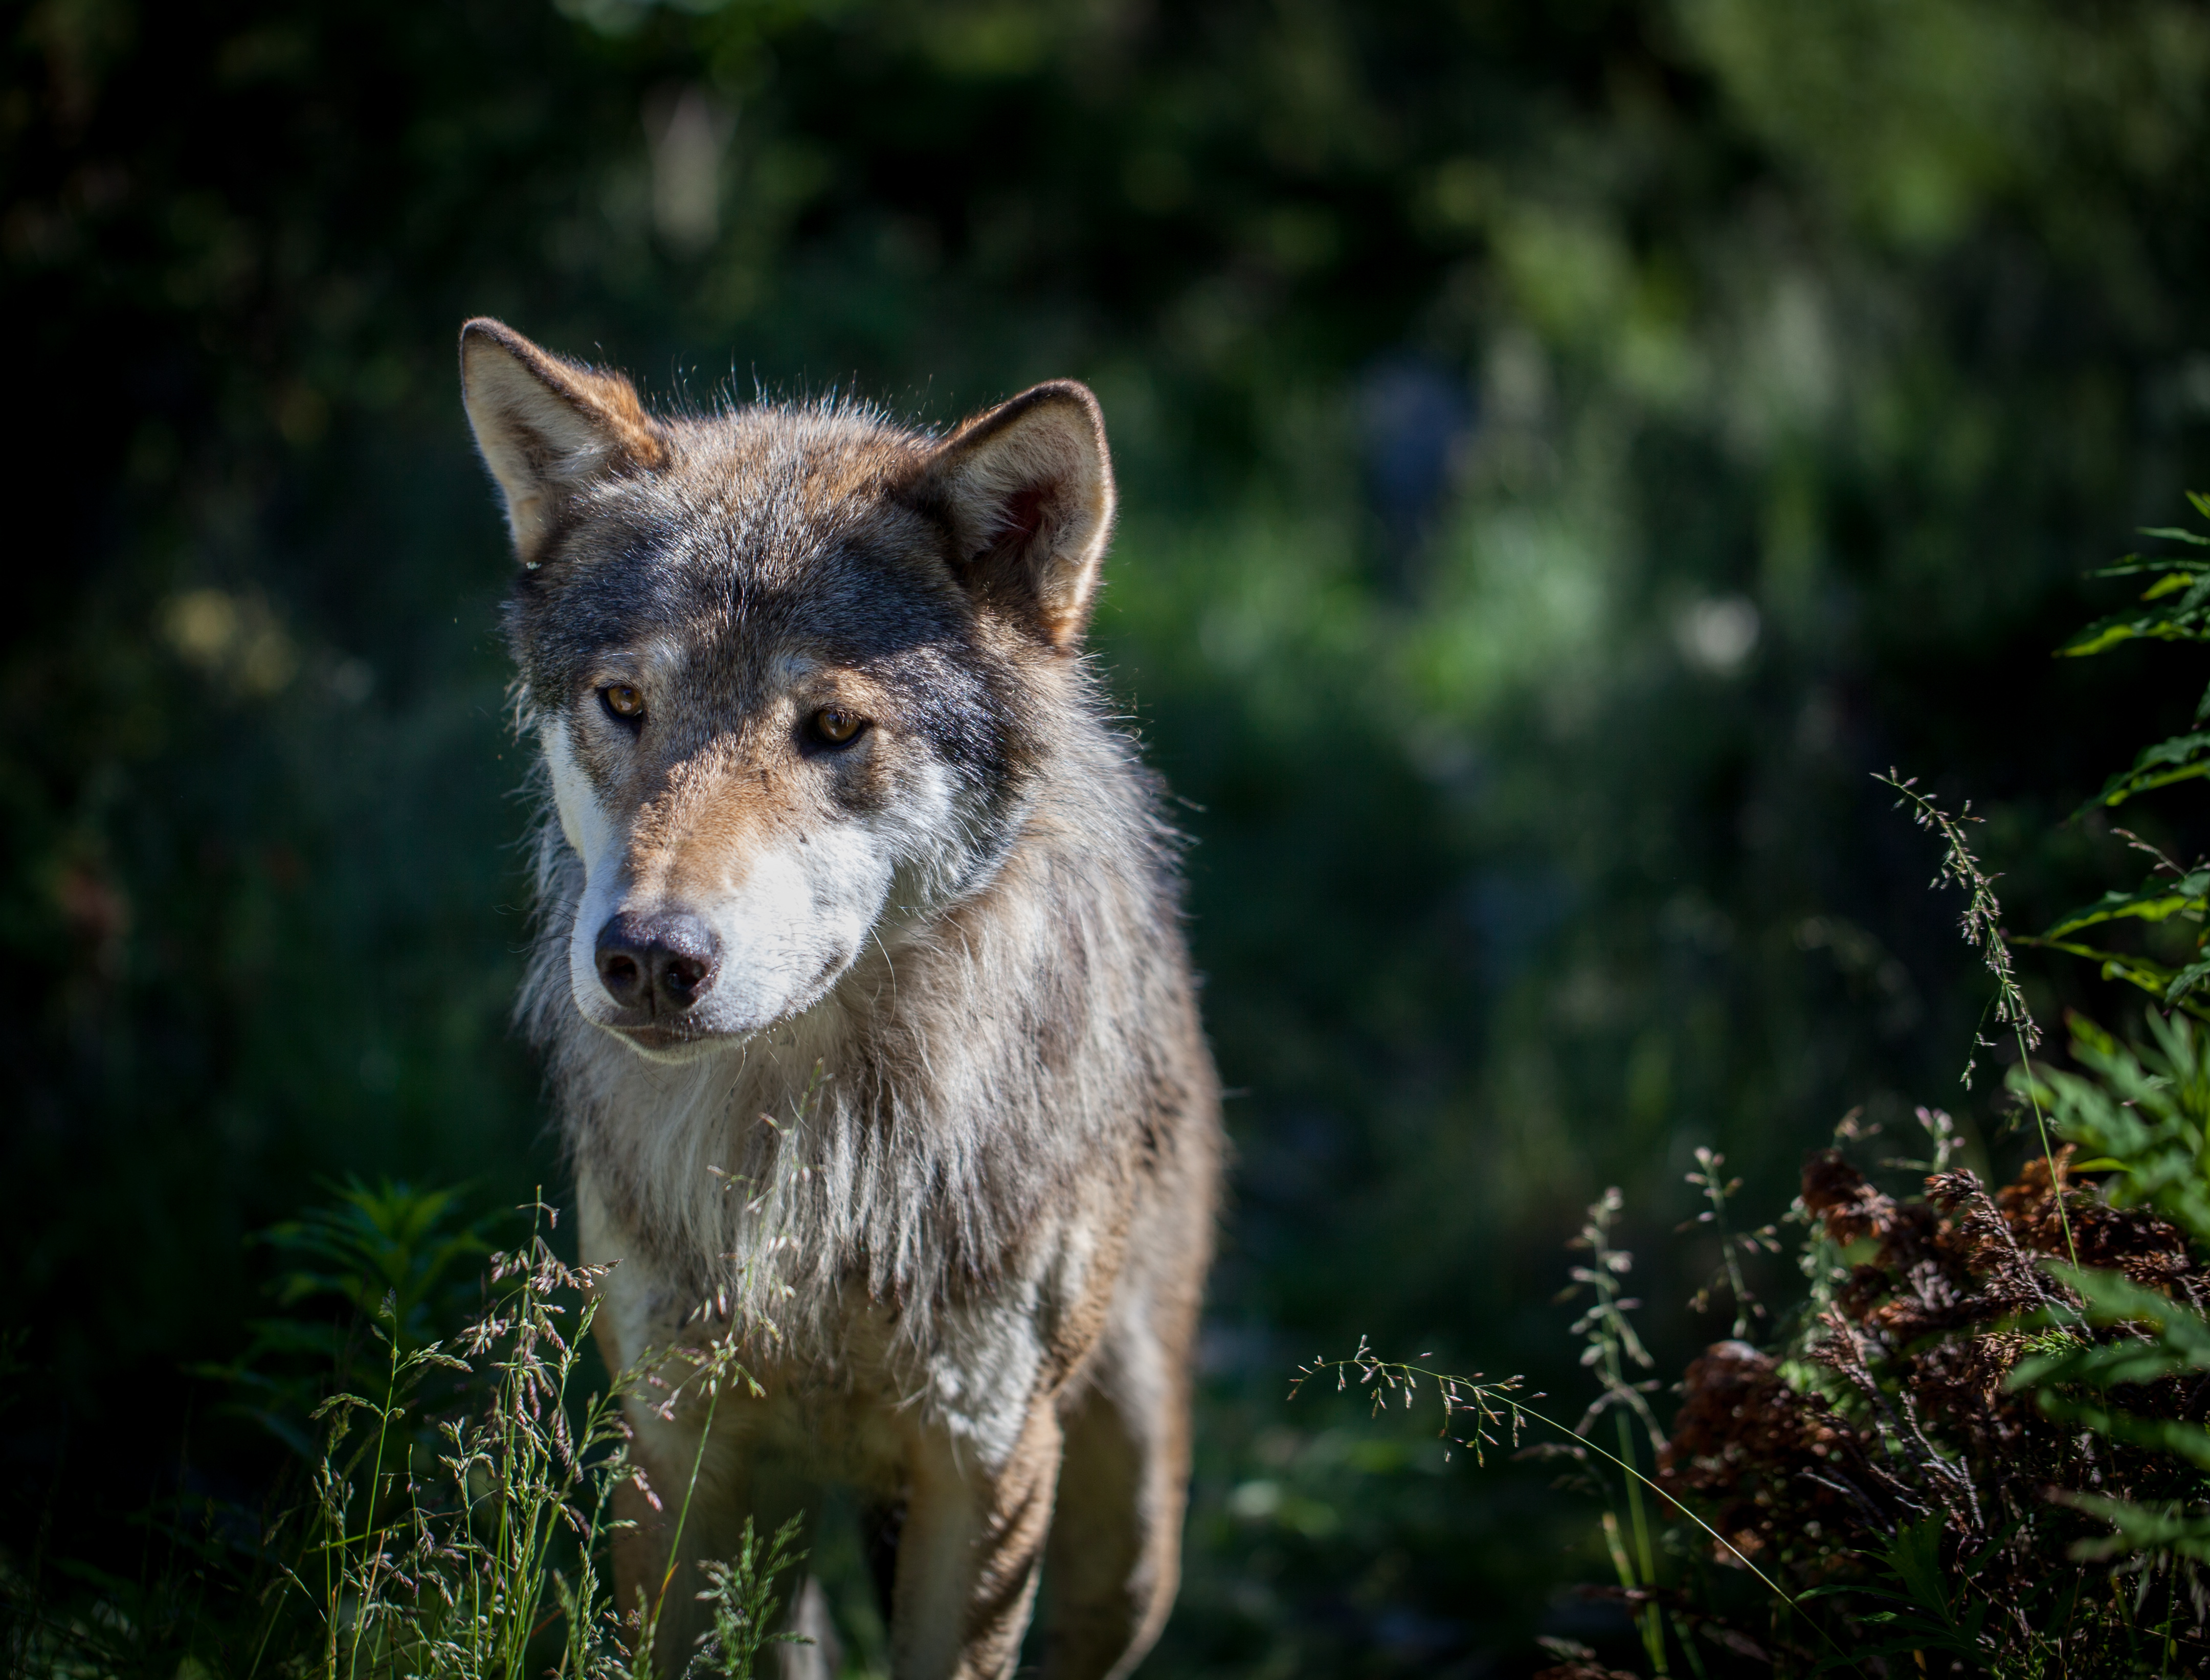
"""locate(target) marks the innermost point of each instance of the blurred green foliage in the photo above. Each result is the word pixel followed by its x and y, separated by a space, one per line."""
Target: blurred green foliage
pixel 1568 450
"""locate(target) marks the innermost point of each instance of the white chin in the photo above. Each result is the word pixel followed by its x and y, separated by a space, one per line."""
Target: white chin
pixel 672 1050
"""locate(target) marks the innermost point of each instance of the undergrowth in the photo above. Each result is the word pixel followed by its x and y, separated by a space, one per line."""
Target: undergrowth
pixel 450 1511
pixel 1979 1444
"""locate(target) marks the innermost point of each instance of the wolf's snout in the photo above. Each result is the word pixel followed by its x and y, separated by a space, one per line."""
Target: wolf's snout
pixel 660 964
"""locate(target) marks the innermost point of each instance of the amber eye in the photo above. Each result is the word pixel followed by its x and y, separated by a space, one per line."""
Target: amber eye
pixel 837 726
pixel 623 701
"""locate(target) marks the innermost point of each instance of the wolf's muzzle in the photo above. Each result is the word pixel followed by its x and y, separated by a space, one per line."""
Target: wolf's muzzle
pixel 657 965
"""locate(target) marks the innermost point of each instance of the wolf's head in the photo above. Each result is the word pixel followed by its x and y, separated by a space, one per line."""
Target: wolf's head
pixel 794 670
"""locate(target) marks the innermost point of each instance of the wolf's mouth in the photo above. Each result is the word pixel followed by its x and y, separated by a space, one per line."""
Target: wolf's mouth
pixel 654 1037
pixel 673 1045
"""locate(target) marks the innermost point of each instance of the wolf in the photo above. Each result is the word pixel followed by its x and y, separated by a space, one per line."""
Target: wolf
pixel 862 985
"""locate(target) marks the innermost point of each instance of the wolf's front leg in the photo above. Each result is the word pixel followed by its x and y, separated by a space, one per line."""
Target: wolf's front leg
pixel 968 1552
pixel 702 1491
pixel 688 1510
pixel 662 1535
pixel 1115 1548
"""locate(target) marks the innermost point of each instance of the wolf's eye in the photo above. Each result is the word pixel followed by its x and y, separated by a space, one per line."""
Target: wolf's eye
pixel 623 701
pixel 837 726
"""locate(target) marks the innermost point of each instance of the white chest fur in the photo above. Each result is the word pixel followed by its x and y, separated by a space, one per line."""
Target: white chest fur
pixel 859 1389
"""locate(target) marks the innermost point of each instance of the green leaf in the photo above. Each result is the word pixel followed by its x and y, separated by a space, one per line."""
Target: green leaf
pixel 2147 1111
pixel 2179 760
pixel 1928 1621
pixel 2169 1337
pixel 2140 1528
pixel 2186 980
pixel 2161 618
pixel 2157 899
pixel 2113 1298
pixel 2173 1436
pixel 2135 566
pixel 374 1244
pixel 1915 1556
pixel 2155 978
pixel 2184 623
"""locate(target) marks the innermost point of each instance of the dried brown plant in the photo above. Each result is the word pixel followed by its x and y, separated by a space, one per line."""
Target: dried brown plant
pixel 1898 1421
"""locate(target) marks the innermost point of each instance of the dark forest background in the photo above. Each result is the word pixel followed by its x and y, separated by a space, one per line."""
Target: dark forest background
pixel 1568 450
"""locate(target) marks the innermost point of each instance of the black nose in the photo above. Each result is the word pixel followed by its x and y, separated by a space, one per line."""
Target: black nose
pixel 661 964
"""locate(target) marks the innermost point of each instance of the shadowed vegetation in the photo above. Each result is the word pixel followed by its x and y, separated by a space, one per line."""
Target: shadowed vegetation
pixel 1568 452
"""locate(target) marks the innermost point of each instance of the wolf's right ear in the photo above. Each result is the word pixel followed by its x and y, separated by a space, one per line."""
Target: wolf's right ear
pixel 548 427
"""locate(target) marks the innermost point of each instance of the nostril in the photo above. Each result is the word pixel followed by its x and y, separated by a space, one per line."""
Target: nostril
pixel 683 953
pixel 622 957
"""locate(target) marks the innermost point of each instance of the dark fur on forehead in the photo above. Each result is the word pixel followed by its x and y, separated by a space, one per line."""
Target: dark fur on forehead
pixel 771 529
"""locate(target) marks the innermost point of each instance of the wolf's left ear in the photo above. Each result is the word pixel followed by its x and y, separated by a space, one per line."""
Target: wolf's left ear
pixel 1027 490
pixel 548 427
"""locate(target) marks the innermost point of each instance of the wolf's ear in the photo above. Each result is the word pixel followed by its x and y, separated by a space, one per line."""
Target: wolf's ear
pixel 547 426
pixel 1027 490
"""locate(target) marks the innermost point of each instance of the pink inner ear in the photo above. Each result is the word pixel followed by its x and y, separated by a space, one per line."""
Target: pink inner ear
pixel 1021 518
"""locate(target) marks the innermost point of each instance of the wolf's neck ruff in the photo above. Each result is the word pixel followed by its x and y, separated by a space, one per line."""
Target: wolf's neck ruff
pixel 833 1152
